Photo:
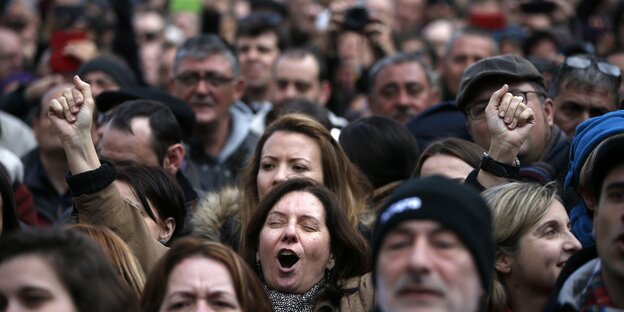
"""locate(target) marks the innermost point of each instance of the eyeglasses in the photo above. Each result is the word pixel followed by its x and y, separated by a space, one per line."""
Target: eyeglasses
pixel 583 62
pixel 215 80
pixel 477 111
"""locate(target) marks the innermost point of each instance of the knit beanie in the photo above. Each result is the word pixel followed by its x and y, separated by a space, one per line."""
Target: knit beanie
pixel 455 206
pixel 588 135
pixel 121 73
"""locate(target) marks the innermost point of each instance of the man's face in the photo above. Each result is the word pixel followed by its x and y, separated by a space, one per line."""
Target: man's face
pixel 401 91
pixel 573 106
pixel 122 148
pixel 609 224
pixel 208 86
pixel 537 142
pixel 11 60
pixel 297 79
pixel 424 267
pixel 100 82
pixel 465 51
pixel 257 55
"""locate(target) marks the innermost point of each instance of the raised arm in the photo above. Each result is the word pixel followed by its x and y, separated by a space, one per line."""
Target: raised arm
pixel 510 122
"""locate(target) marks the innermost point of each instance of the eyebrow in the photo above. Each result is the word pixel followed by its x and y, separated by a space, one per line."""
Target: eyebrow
pixel 615 184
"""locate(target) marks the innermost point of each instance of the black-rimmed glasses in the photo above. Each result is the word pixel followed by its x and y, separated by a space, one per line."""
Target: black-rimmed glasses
pixel 215 80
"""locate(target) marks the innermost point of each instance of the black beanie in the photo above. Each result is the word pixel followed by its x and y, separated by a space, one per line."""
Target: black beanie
pixel 455 206
pixel 121 73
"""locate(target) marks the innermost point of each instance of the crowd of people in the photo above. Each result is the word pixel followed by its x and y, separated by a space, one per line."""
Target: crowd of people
pixel 311 155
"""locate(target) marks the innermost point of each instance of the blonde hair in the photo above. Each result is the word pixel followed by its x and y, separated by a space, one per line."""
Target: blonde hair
pixel 118 253
pixel 516 207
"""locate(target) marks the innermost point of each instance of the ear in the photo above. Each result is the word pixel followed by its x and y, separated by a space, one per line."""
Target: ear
pixel 589 200
pixel 325 93
pixel 549 111
pixel 173 158
pixel 240 87
pixel 331 263
pixel 166 230
pixel 503 264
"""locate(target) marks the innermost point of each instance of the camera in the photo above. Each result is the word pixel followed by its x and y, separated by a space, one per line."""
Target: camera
pixel 356 18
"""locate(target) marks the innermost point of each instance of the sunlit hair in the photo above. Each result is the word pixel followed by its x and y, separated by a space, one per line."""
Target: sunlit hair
pixel 347 245
pixel 516 207
pixel 119 254
pixel 249 291
pixel 339 175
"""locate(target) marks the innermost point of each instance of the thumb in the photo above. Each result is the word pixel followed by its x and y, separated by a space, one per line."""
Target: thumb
pixel 85 89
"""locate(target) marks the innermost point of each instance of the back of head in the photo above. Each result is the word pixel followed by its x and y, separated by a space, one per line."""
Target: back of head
pixel 304 107
pixel 159 187
pixel 250 294
pixel 115 68
pixel 119 254
pixel 384 150
pixel 79 264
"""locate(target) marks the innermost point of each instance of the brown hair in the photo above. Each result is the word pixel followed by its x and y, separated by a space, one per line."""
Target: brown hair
pixel 339 175
pixel 249 291
pixel 467 151
pixel 119 254
pixel 350 249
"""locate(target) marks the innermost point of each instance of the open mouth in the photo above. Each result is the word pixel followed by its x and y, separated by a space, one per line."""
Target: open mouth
pixel 287 258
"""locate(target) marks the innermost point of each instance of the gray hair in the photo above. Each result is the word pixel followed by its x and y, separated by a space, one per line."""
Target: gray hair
pixel 396 59
pixel 202 46
pixel 590 78
pixel 469 31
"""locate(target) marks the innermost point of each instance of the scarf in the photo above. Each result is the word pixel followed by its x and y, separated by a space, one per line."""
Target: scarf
pixel 284 302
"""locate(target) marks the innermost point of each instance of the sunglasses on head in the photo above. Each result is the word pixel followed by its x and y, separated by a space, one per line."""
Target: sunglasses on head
pixel 583 62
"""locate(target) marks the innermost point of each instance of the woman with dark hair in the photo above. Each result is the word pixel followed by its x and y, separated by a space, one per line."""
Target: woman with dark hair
pixel 155 190
pixel 384 151
pixel 59 270
pixel 452 157
pixel 194 270
pixel 308 255
pixel 9 222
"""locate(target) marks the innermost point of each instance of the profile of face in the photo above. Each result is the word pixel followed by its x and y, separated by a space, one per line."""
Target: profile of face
pixel 295 79
pixel 401 91
pixel 609 222
pixel 466 50
pixel 124 148
pixel 160 230
pixel 574 105
pixel 294 244
pixel 208 86
pixel 257 55
pixel 542 252
pixel 29 283
pixel 537 142
pixel 287 155
pixel 200 284
pixel 446 165
pixel 423 266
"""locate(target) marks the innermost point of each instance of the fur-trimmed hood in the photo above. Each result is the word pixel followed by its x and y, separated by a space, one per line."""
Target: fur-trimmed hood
pixel 217 217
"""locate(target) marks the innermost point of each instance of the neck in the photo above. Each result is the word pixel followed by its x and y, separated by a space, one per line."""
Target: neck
pixel 255 94
pixel 213 136
pixel 615 286
pixel 56 167
pixel 523 299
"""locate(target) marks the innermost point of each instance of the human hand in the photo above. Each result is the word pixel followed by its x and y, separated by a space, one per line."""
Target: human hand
pixel 380 35
pixel 72 114
pixel 84 50
pixel 510 122
pixel 38 88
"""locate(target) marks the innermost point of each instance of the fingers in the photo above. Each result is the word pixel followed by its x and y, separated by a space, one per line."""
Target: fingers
pixel 509 114
pixel 65 106
pixel 523 115
pixel 55 109
pixel 85 90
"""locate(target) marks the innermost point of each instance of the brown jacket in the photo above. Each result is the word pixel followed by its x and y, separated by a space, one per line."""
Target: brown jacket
pixel 361 300
pixel 108 208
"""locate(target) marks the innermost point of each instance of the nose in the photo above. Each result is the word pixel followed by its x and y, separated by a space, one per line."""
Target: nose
pixel 290 92
pixel 202 87
pixel 280 176
pixel 420 261
pixel 571 244
pixel 290 233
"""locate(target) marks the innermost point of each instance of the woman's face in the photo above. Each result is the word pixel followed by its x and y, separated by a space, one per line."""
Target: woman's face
pixel 287 155
pixel 294 248
pixel 543 251
pixel 29 283
pixel 447 166
pixel 200 284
